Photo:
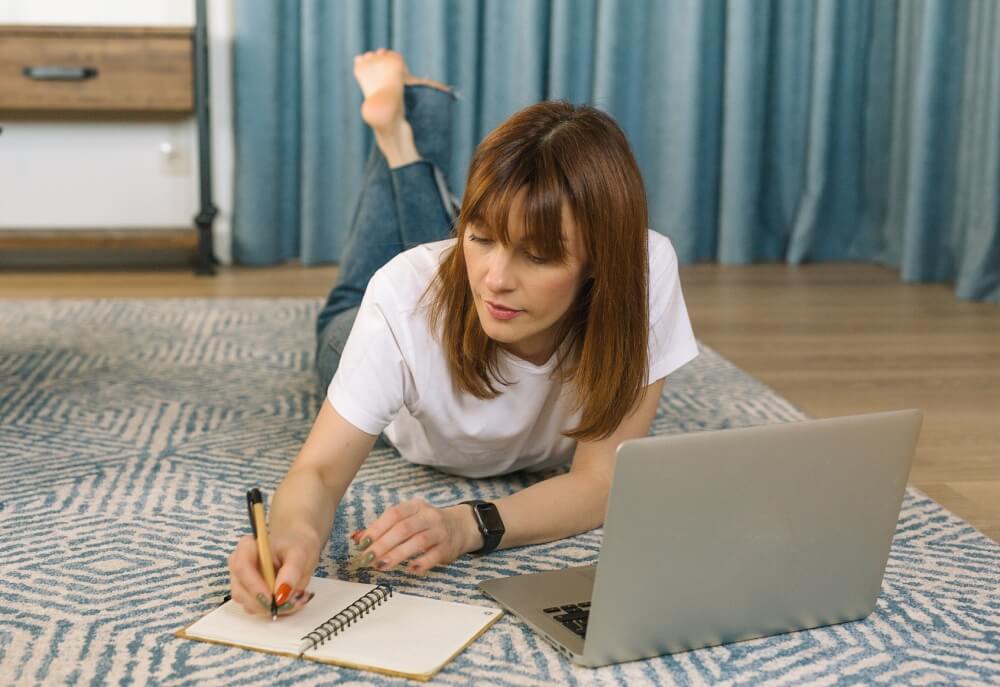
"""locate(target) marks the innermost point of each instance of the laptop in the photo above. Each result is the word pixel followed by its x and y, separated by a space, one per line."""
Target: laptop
pixel 721 536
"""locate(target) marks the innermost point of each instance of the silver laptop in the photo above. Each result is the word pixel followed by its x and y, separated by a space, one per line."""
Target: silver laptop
pixel 717 537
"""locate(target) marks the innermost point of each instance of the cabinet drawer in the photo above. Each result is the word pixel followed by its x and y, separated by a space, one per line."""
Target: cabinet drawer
pixel 95 69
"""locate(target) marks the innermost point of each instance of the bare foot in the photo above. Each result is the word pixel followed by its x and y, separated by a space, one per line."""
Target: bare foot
pixel 381 74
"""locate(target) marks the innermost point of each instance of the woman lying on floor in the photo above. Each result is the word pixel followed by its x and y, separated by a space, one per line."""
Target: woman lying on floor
pixel 539 335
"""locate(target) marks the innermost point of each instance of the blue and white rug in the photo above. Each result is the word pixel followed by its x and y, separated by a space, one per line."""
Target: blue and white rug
pixel 129 431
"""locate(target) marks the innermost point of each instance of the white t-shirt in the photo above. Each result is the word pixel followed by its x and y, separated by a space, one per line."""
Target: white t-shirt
pixel 393 375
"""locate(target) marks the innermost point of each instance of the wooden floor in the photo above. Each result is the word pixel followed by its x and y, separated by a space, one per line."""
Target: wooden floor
pixel 835 339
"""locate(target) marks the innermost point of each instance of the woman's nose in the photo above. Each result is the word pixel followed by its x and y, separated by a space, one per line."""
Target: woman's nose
pixel 499 276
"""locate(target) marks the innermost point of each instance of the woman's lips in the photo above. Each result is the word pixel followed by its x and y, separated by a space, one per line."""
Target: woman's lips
pixel 500 312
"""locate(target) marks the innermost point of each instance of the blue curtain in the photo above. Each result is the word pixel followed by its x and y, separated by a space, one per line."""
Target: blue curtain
pixel 767 130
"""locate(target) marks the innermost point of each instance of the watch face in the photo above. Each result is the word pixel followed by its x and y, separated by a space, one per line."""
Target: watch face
pixel 490 517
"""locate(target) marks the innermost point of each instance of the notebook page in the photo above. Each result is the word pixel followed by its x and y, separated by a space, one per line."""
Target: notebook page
pixel 230 624
pixel 407 634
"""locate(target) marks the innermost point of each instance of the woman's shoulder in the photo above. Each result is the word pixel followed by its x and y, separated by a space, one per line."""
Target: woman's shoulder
pixel 414 266
pixel 662 256
pixel 405 277
pixel 664 274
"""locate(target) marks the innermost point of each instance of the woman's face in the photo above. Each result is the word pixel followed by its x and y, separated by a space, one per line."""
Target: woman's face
pixel 519 298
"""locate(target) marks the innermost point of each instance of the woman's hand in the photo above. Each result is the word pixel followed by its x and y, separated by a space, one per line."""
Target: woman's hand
pixel 417 531
pixel 294 561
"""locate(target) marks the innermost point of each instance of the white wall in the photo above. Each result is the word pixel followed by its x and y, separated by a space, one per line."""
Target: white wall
pixel 118 173
pixel 99 12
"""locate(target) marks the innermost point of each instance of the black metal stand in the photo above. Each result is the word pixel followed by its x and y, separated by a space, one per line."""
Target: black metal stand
pixel 206 215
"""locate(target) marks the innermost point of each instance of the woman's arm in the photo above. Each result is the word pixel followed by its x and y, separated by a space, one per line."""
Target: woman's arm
pixel 576 501
pixel 302 512
pixel 307 498
pixel 555 508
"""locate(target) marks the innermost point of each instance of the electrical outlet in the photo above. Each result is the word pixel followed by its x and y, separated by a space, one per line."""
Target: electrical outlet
pixel 175 159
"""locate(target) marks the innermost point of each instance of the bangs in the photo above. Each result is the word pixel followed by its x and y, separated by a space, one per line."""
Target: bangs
pixel 491 197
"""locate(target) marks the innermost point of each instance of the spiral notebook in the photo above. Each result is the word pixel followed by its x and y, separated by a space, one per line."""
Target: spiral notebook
pixel 356 625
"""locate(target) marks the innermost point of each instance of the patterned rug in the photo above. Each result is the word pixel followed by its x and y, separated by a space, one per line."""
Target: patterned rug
pixel 130 429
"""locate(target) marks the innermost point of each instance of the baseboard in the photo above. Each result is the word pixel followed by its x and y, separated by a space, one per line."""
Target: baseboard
pixel 98 238
pixel 98 247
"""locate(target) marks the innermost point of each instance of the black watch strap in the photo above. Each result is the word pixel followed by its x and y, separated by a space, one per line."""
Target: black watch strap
pixel 490 525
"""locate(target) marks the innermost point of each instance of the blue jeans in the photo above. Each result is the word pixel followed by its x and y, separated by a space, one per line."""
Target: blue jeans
pixel 397 209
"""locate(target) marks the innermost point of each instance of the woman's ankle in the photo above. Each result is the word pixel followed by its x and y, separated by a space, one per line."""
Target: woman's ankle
pixel 397 145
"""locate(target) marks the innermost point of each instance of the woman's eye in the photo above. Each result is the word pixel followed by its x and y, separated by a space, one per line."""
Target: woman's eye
pixel 478 239
pixel 535 259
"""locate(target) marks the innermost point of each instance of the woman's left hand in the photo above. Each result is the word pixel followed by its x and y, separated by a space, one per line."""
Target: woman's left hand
pixel 417 531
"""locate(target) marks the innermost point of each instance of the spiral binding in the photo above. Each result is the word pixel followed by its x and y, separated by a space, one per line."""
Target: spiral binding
pixel 352 613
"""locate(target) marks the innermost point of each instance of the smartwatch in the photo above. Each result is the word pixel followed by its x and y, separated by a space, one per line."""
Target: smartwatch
pixel 490 525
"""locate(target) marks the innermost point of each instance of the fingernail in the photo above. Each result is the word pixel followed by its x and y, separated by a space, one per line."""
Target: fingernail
pixel 361 561
pixel 282 593
pixel 355 534
pixel 285 606
pixel 264 602
pixel 299 594
pixel 382 564
pixel 365 543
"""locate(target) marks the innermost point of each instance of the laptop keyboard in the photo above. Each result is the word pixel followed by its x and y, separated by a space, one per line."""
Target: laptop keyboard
pixel 573 616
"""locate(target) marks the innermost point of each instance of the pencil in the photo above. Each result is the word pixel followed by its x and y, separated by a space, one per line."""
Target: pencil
pixel 258 523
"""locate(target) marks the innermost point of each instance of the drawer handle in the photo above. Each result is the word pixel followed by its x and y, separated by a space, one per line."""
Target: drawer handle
pixel 60 73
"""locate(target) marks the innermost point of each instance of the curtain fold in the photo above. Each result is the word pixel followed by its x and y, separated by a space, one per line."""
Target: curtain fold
pixel 791 130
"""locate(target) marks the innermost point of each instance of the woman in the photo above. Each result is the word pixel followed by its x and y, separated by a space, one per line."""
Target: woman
pixel 540 335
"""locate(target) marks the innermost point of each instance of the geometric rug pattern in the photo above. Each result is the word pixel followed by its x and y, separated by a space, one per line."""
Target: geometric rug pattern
pixel 130 429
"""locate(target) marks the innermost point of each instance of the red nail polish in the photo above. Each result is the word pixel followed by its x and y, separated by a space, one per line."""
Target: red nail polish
pixel 299 594
pixel 282 593
pixel 355 535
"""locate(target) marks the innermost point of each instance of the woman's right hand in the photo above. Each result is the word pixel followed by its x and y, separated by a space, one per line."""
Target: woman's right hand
pixel 302 514
pixel 294 561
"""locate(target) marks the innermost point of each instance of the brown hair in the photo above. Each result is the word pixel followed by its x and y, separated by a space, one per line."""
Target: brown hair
pixel 559 153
